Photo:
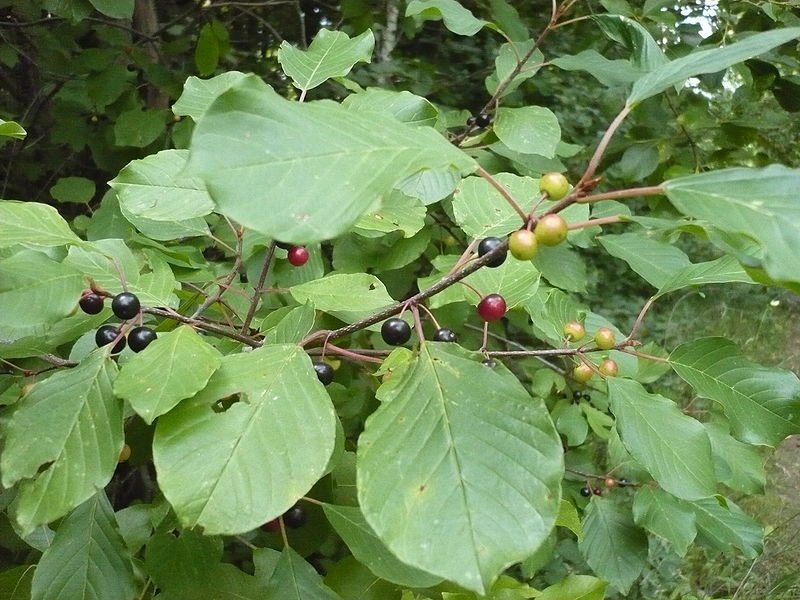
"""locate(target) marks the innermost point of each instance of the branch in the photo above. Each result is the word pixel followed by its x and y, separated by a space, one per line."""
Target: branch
pixel 223 287
pixel 653 190
pixel 204 325
pixel 602 146
pixel 259 289
pixel 503 192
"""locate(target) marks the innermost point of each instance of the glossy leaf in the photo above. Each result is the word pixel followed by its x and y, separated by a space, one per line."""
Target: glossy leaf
pixel 312 154
pixel 667 517
pixel 656 262
pixel 481 211
pixel 762 404
pixel 612 544
pixel 348 297
pixel 12 129
pixel 456 18
pixel 459 474
pixel 33 224
pixel 243 450
pixel 575 587
pixel 403 106
pixel 156 188
pixel 673 447
pixel 708 61
pixel 295 579
pixel 35 292
pixel 175 366
pixel 331 54
pixel 755 202
pixel 529 130
pixel 88 559
pixel 724 526
pixel 722 270
pixel 62 443
pixel 353 528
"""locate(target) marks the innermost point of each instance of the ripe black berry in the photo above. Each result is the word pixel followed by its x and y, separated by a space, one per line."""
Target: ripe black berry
pixel 140 337
pixel 577 395
pixel 107 334
pixel 444 335
pixel 91 303
pixel 395 332
pixel 125 305
pixel 243 278
pixel 295 517
pixel 483 120
pixel 490 362
pixel 324 372
pixel 586 492
pixel 487 245
pixel 622 482
pixel 587 397
pixel 471 122
pixel 597 491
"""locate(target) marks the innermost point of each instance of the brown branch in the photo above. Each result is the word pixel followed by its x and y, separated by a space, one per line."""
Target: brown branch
pixel 503 192
pixel 225 284
pixel 259 289
pixel 204 325
pixel 652 190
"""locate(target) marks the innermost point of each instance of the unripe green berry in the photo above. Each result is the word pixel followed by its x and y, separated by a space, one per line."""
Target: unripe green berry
pixel 554 185
pixel 604 338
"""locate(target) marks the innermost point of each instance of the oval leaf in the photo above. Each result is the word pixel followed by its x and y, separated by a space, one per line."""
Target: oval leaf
pixel 459 474
pixel 528 130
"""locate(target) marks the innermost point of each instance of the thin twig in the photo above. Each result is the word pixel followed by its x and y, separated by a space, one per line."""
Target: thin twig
pixel 262 277
pixel 204 325
pixel 503 192
pixel 652 190
pixel 226 283
pixel 595 222
pixel 594 162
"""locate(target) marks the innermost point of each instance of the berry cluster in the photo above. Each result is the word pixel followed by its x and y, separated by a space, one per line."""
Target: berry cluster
pixel 125 306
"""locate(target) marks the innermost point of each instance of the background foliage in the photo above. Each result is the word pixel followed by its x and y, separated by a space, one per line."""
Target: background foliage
pixel 147 160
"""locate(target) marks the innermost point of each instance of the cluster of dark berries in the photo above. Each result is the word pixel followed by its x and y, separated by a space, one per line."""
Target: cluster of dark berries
pixel 480 120
pixel 125 306
pixel 609 482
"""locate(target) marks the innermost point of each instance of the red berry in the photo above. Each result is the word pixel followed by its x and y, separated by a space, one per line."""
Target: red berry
pixel 492 307
pixel 298 256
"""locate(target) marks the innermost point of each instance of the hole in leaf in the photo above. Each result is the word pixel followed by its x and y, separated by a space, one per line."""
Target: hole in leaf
pixel 223 404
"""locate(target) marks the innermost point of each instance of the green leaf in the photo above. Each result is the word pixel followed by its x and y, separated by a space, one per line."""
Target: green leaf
pixel 295 579
pixel 575 587
pixel 755 202
pixel 430 186
pixel 353 528
pixel 348 297
pixel 508 20
pixel 662 514
pixel 529 130
pixel 722 270
pixel 12 129
pixel 77 425
pixel 33 224
pixel 403 106
pixel 351 579
pixel 610 73
pixel 562 267
pixel 456 18
pixel 397 213
pixel 88 559
pixel 73 189
pixel 739 466
pixel 331 54
pixel 116 9
pixel 207 51
pixel 35 291
pixel 655 262
pixel 568 517
pixel 156 188
pixel 293 327
pixel 506 62
pixel 724 526
pixel 646 53
pixel 15 584
pixel 673 447
pixel 459 474
pixel 612 544
pixel 198 94
pixel 481 211
pixel 332 163
pixel 177 365
pixel 139 128
pixel 243 450
pixel 762 404
pixel 708 61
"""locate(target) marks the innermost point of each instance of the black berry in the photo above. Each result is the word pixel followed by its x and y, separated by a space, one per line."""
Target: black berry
pixel 91 303
pixel 107 334
pixel 140 337
pixel 587 397
pixel 395 332
pixel 471 122
pixel 577 395
pixel 489 362
pixel 586 492
pixel 243 278
pixel 622 482
pixel 295 517
pixel 483 120
pixel 324 372
pixel 444 335
pixel 125 305
pixel 597 491
pixel 487 245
